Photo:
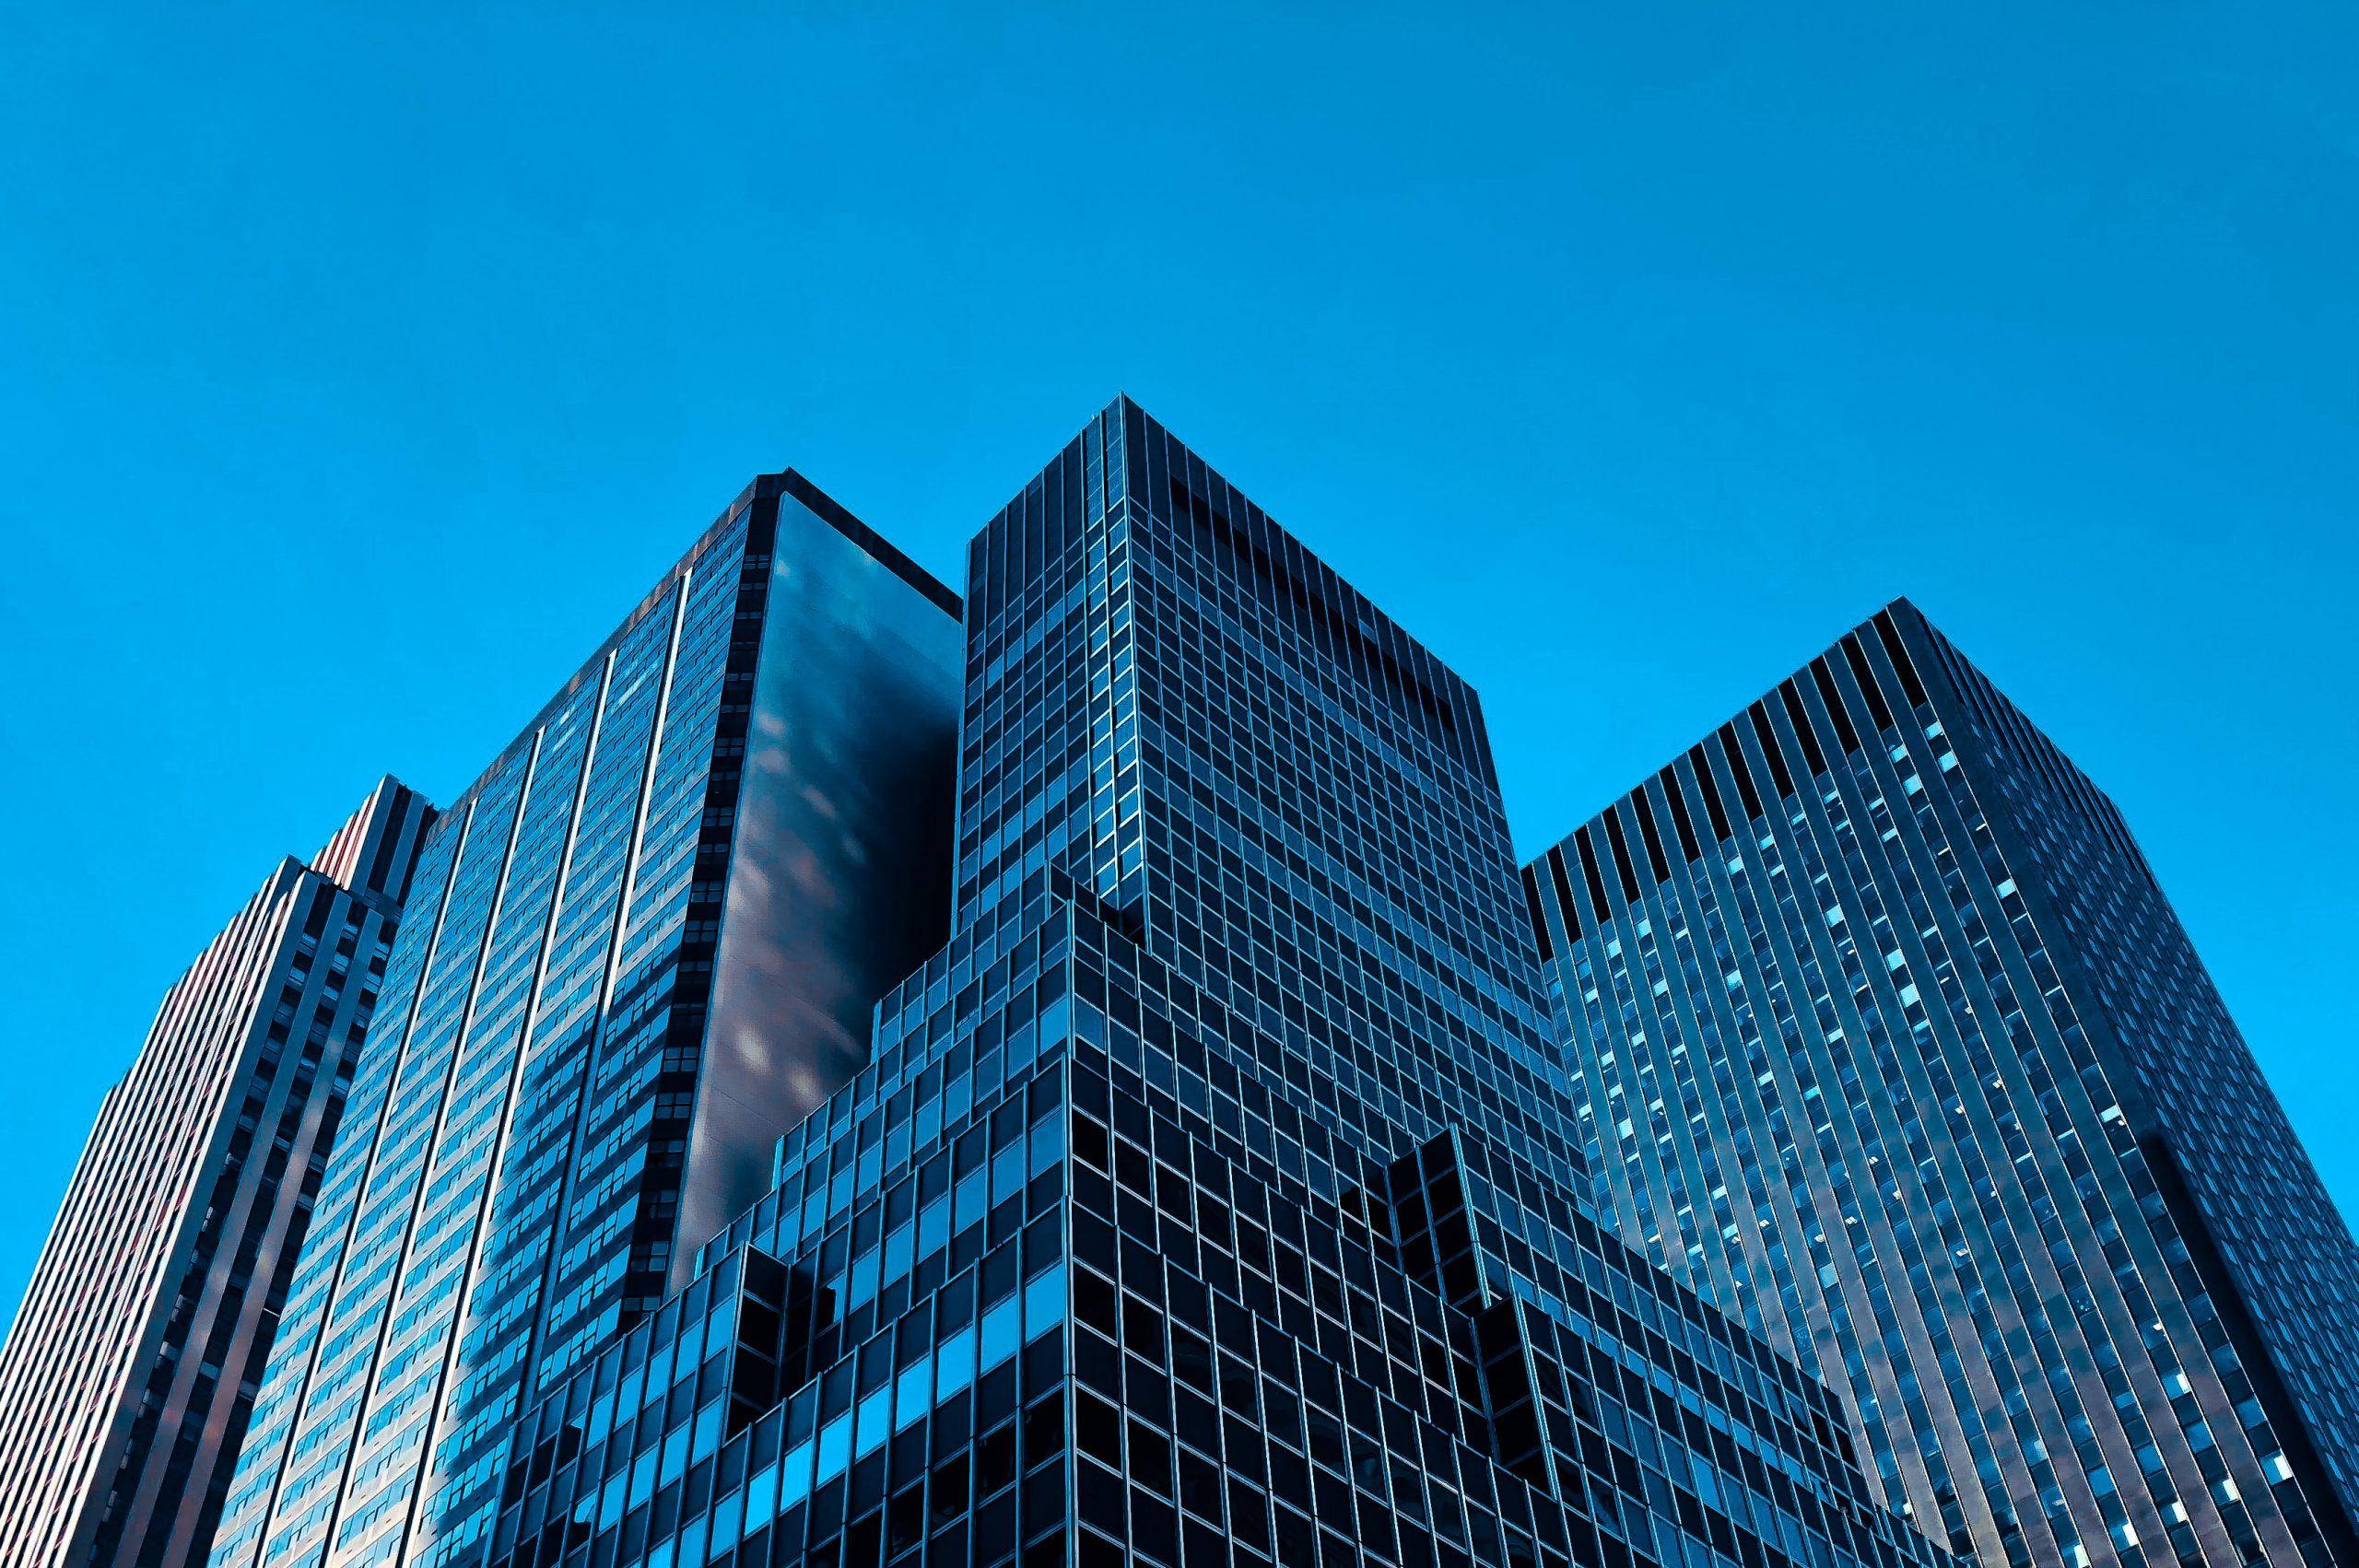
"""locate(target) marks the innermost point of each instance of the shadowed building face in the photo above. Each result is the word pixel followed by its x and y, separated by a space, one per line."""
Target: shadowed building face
pixel 840 868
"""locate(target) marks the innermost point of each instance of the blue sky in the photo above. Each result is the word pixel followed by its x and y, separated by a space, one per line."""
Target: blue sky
pixel 359 367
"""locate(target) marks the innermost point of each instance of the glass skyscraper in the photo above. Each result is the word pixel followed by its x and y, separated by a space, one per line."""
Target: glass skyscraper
pixel 1889 1044
pixel 1211 1197
pixel 641 947
pixel 131 1367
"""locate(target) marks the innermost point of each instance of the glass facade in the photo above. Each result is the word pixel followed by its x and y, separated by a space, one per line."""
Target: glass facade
pixel 1888 1044
pixel 1211 1198
pixel 564 1070
pixel 130 1371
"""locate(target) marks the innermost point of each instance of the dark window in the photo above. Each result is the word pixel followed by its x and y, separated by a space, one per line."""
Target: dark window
pixel 1679 817
pixel 1890 634
pixel 1701 765
pixel 1745 787
pixel 1799 715
pixel 1778 773
pixel 1589 874
pixel 1863 672
pixel 1563 882
pixel 1538 915
pixel 1652 835
pixel 1832 695
pixel 1620 845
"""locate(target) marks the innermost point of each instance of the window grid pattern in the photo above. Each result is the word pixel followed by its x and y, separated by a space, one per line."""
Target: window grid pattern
pixel 1120 1248
pixel 1035 1298
pixel 1844 1078
pixel 130 1373
pixel 527 1097
pixel 2211 1125
pixel 264 1460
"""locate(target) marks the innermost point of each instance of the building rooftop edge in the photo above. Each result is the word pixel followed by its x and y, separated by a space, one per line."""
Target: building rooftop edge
pixel 832 512
pixel 763 486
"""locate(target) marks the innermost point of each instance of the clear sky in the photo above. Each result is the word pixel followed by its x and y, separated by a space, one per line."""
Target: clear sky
pixel 360 366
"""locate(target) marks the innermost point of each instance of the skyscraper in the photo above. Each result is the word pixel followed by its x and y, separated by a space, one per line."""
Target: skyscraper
pixel 1890 1044
pixel 1208 1198
pixel 130 1368
pixel 643 944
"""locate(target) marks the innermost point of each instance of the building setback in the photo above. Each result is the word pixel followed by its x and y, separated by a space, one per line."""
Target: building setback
pixel 1209 1199
pixel 130 1368
pixel 643 945
pixel 1890 1044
